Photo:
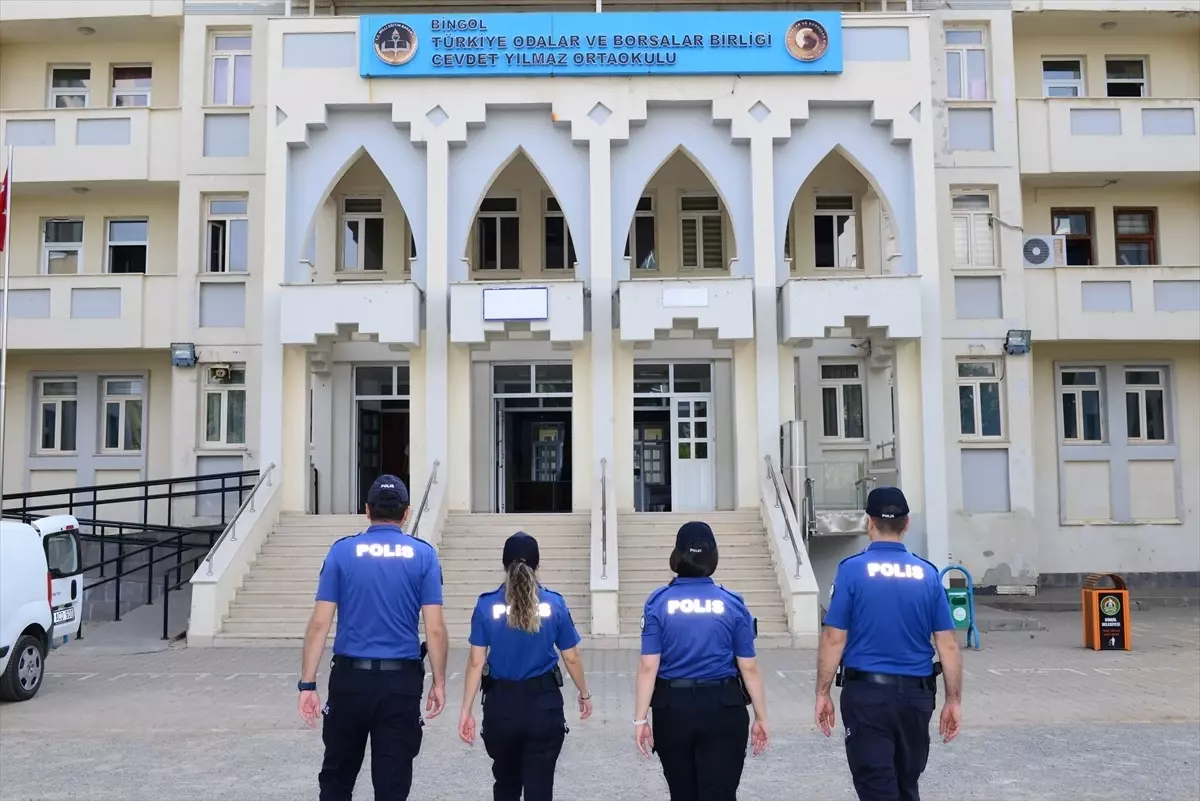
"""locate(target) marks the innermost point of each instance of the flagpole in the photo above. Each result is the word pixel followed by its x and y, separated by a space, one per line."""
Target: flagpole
pixel 8 180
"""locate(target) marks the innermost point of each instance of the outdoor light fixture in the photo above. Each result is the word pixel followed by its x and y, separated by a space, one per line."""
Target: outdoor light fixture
pixel 1016 342
pixel 183 354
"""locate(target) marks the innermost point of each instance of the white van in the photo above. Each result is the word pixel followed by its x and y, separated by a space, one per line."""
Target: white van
pixel 41 598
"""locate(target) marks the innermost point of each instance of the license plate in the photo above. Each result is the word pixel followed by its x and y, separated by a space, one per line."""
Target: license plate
pixel 65 615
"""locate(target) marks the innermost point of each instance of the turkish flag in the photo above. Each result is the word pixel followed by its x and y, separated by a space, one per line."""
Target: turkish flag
pixel 3 209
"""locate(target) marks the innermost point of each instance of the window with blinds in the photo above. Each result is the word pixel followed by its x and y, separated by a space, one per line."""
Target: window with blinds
pixel 701 233
pixel 974 236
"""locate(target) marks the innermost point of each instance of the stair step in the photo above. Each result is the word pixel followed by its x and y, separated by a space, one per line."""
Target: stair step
pixel 294 629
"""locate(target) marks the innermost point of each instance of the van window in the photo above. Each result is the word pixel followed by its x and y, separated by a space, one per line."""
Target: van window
pixel 62 553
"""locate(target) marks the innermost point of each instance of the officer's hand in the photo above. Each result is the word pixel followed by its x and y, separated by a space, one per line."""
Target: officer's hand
pixel 466 727
pixel 436 701
pixel 310 708
pixel 644 738
pixel 825 715
pixel 951 721
pixel 585 707
pixel 760 738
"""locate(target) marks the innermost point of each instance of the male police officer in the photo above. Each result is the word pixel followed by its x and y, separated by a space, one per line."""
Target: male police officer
pixel 378 581
pixel 886 603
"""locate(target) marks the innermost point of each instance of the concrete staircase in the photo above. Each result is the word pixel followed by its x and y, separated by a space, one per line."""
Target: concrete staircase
pixel 645 544
pixel 274 604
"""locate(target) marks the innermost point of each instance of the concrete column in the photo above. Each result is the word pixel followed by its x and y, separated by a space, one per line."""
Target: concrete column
pixel 605 612
pixel 322 446
pixel 437 312
pixel 766 317
pixel 293 464
pixel 274 235
pixel 910 455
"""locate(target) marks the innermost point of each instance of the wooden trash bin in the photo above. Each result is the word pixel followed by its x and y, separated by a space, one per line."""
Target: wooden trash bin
pixel 1106 614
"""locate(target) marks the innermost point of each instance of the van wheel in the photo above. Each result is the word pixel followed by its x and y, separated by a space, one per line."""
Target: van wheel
pixel 26 667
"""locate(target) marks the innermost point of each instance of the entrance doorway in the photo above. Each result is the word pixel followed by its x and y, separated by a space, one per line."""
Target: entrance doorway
pixel 381 406
pixel 674 456
pixel 533 437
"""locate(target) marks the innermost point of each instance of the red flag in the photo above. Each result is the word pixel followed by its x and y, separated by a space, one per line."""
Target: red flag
pixel 3 209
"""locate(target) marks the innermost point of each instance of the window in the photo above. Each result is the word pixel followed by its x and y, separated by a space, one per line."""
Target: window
pixel 842 402
pixel 122 405
pixel 834 234
pixel 787 237
pixel 228 235
pixel 640 243
pixel 966 64
pixel 1076 226
pixel 58 404
pixel 1062 78
pixel 362 234
pixel 701 233
pixel 1080 403
pixel 128 242
pixel 1145 405
pixel 1136 236
pixel 225 404
pixel 974 236
pixel 70 87
pixel 131 86
pixel 498 235
pixel 231 69
pixel 1125 77
pixel 62 246
pixel 979 399
pixel 556 235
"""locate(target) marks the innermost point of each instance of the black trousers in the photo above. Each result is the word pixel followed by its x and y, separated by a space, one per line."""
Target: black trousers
pixel 523 731
pixel 887 738
pixel 700 737
pixel 385 705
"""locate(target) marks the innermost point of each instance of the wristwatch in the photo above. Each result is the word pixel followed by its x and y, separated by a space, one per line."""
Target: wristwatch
pixel 306 686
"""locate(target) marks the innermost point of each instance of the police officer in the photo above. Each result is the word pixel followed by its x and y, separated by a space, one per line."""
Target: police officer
pixel 697 672
pixel 515 630
pixel 886 604
pixel 379 581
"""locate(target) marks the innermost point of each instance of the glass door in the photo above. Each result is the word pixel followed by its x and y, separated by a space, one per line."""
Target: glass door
pixel 694 467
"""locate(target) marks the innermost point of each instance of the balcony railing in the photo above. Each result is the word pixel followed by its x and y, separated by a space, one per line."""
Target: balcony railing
pixel 93 144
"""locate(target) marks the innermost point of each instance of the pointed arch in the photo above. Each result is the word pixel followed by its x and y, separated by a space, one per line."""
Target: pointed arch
pixel 315 171
pixel 868 147
pixel 508 134
pixel 690 131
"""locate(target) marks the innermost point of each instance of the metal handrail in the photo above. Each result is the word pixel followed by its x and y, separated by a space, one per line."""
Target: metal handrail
pixel 229 527
pixel 604 518
pixel 791 535
pixel 425 497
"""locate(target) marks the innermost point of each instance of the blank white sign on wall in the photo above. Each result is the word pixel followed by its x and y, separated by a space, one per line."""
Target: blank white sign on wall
pixel 516 303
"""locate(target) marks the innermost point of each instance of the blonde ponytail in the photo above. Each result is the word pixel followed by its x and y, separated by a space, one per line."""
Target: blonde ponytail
pixel 521 595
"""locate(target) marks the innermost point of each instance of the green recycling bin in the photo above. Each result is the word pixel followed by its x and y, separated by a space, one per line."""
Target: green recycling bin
pixel 959 598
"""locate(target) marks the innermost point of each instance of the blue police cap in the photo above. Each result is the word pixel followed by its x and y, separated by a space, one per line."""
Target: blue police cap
pixel 696 537
pixel 886 502
pixel 521 547
pixel 387 491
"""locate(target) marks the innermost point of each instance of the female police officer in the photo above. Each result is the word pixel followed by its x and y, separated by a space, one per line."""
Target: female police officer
pixel 697 639
pixel 515 630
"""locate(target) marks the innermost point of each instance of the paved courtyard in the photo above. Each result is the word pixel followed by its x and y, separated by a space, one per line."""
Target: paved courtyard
pixel 1044 719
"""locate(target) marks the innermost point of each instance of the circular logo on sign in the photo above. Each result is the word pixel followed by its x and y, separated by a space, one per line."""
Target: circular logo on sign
pixel 395 44
pixel 960 613
pixel 807 40
pixel 1110 605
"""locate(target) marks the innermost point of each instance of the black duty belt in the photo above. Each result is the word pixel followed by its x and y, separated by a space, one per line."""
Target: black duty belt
pixel 687 684
pixel 892 680
pixel 543 683
pixel 377 665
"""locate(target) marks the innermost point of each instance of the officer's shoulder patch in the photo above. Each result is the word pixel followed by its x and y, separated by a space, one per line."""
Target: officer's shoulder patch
pixel 642 623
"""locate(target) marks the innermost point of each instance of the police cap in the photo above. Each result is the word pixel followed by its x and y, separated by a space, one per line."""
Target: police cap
pixel 387 491
pixel 887 502
pixel 696 537
pixel 521 547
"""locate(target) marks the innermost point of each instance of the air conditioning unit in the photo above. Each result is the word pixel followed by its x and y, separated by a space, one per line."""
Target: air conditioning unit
pixel 1044 250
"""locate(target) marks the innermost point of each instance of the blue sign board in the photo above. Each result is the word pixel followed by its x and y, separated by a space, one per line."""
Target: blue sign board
pixel 583 44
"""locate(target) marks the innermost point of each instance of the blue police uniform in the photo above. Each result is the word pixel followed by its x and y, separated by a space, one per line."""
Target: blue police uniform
pixel 700 722
pixel 523 722
pixel 889 602
pixel 379 580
